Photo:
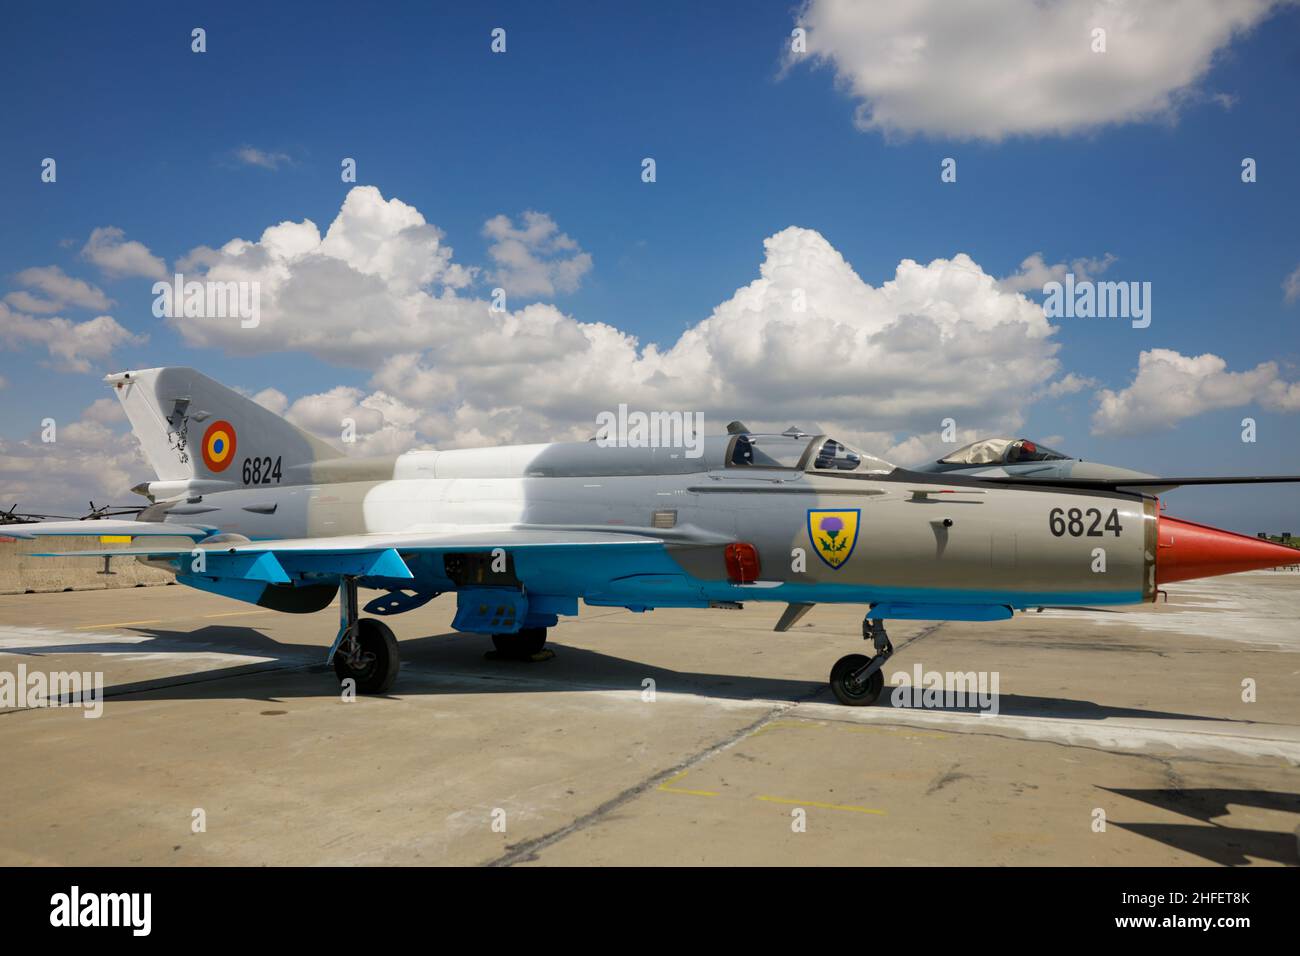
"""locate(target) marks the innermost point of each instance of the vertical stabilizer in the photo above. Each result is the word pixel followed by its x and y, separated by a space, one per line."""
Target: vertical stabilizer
pixel 194 428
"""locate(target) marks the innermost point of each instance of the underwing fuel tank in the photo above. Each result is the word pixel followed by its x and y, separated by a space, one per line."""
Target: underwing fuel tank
pixel 1187 550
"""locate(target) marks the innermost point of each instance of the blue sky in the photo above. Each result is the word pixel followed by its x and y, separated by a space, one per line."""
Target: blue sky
pixel 146 134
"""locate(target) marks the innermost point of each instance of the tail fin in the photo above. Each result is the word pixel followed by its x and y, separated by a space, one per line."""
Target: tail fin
pixel 197 432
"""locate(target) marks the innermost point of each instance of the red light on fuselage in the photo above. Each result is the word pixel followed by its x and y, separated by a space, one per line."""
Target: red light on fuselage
pixel 742 563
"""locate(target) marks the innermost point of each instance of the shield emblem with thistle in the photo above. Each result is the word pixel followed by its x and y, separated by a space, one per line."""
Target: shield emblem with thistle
pixel 833 535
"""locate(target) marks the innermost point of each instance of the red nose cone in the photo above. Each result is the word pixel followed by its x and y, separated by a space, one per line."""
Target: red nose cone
pixel 1188 550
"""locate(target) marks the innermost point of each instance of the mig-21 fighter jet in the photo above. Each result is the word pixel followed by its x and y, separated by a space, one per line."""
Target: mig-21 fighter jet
pixel 248 506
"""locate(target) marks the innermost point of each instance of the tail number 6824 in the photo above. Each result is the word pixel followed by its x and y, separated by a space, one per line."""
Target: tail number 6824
pixel 261 471
pixel 1078 523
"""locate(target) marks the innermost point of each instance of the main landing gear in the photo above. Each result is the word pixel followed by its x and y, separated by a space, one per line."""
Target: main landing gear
pixel 857 680
pixel 365 649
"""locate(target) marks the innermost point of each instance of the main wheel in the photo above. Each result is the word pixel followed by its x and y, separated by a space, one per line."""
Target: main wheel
pixel 851 692
pixel 523 643
pixel 379 663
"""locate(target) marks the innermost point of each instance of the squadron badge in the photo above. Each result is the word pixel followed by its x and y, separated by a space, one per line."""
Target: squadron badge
pixel 833 534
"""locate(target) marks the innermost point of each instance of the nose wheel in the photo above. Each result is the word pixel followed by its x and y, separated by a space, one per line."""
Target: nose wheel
pixel 856 679
pixel 849 688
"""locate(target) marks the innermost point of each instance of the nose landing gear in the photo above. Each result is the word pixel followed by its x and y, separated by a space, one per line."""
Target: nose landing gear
pixel 857 680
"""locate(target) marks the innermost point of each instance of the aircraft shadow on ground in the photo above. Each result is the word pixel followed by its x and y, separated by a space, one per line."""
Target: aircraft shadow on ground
pixel 453 663
pixel 1228 846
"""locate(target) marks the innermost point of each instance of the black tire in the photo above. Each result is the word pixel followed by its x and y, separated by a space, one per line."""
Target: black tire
pixel 522 644
pixel 848 692
pixel 377 675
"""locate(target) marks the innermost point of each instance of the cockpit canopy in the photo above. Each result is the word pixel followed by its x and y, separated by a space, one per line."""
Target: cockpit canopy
pixel 798 450
pixel 1002 451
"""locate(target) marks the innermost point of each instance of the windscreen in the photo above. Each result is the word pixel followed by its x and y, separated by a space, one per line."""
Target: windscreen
pixel 767 451
pixel 1001 451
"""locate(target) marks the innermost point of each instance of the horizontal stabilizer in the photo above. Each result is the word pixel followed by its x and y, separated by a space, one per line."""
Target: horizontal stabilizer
pixel 107 527
pixel 381 558
pixel 293 549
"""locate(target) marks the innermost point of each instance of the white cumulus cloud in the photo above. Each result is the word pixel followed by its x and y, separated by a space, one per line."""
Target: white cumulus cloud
pixel 57 291
pixel 807 340
pixel 1170 387
pixel 1035 272
pixel 266 159
pixel 73 346
pixel 118 256
pixel 1291 286
pixel 380 424
pixel 89 459
pixel 1068 384
pixel 1017 67
pixel 380 280
pixel 535 258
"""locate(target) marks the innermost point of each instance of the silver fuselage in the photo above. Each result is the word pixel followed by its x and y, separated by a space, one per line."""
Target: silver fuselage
pixel 922 539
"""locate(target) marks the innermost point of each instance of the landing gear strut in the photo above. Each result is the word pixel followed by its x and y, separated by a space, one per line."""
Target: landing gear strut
pixel 857 680
pixel 365 649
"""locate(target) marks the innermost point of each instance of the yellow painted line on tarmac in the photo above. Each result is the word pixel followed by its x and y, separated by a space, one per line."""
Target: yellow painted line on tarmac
pixel 901 731
pixel 821 806
pixel 789 725
pixel 695 793
pixel 807 723
pixel 91 627
pixel 236 613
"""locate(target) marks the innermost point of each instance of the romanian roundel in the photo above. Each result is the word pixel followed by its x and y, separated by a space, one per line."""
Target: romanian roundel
pixel 219 445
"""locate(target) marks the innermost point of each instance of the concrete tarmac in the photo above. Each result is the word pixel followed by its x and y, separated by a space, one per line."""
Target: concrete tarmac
pixel 1165 735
